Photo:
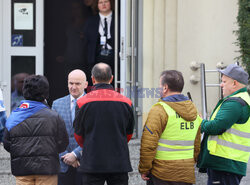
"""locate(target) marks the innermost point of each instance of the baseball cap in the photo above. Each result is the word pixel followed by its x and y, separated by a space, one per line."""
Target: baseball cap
pixel 236 72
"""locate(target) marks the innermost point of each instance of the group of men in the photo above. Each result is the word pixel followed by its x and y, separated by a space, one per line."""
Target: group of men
pixel 98 148
pixel 170 143
pixel 90 132
pixel 99 125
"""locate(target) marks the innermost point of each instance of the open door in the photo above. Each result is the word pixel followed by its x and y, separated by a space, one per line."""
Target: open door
pixel 128 56
pixel 22 46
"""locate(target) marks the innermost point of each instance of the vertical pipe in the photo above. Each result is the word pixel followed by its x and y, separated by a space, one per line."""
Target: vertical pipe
pixel 123 45
pixel 203 91
pixel 139 69
pixel 116 43
pixel 220 91
pixel 132 43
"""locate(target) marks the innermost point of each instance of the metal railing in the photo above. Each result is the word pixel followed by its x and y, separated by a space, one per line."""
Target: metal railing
pixel 204 85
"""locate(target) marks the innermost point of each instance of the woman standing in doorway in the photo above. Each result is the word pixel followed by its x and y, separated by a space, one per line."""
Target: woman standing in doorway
pixel 99 36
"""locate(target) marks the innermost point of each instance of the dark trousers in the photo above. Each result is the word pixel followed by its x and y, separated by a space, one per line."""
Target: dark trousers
pixel 71 177
pixel 100 178
pixel 156 181
pixel 222 178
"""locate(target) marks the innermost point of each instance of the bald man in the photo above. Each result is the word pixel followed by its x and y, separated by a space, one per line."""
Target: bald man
pixel 103 126
pixel 65 106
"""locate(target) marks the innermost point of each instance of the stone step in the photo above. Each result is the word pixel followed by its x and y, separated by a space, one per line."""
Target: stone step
pixel 134 152
pixel 134 142
pixel 3 152
pixel 5 166
pixel 4 162
pixel 7 179
pixel 135 179
pixel 134 149
pixel 245 181
pixel 201 178
pixel 134 164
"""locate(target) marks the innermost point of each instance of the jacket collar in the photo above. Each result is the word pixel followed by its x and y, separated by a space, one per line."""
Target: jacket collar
pixel 175 98
pixel 102 86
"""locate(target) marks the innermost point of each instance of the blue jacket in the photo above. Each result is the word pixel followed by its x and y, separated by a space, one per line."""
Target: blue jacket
pixel 62 107
pixel 34 136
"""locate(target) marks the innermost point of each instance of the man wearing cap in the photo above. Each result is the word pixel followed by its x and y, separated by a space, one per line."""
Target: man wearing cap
pixel 225 148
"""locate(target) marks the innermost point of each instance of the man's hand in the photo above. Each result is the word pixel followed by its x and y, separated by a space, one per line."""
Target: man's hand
pixel 76 164
pixel 69 158
pixel 144 176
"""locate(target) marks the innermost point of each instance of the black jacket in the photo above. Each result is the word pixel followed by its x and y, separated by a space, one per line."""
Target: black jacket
pixel 103 125
pixel 34 144
pixel 91 35
pixel 91 41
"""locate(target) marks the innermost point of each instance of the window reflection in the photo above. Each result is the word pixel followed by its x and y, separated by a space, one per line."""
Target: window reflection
pixel 17 94
pixel 21 67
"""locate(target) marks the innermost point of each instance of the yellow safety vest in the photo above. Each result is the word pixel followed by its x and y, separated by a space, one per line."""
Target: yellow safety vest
pixel 177 140
pixel 234 143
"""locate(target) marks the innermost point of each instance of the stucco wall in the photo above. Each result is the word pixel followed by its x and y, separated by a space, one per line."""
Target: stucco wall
pixel 175 33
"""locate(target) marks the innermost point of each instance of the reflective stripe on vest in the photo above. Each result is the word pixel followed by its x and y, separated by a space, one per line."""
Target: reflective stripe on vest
pixel 177 140
pixel 234 143
pixel 230 144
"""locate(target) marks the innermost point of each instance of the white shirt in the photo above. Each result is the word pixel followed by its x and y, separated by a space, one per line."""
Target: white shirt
pixel 72 100
pixel 101 26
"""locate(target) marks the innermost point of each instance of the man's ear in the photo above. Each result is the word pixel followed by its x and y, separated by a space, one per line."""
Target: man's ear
pixel 165 88
pixel 86 85
pixel 236 84
pixel 110 81
pixel 93 80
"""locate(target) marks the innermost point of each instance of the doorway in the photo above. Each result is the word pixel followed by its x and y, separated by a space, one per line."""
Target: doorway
pixel 64 42
pixel 64 23
pixel 21 46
